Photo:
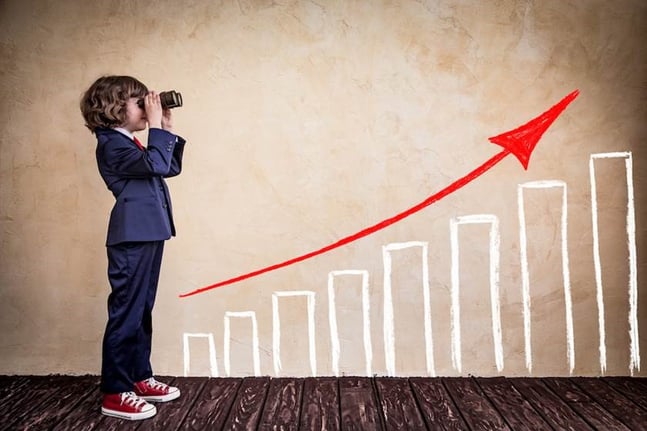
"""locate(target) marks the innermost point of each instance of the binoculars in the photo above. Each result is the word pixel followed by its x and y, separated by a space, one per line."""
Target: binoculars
pixel 169 99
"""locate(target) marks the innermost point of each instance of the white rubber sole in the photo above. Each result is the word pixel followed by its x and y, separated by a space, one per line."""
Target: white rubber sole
pixel 162 398
pixel 129 416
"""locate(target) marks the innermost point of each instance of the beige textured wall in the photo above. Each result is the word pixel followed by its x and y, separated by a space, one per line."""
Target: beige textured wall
pixel 308 121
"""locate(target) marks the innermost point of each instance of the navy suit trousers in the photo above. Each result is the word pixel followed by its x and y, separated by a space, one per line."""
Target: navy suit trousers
pixel 133 271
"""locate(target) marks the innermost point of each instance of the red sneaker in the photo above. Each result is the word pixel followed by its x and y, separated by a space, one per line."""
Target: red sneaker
pixel 127 405
pixel 152 390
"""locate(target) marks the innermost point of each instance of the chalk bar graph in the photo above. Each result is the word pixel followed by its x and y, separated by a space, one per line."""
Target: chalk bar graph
pixel 494 251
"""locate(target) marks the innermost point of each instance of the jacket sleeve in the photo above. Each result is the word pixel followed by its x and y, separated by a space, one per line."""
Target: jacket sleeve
pixel 176 162
pixel 126 160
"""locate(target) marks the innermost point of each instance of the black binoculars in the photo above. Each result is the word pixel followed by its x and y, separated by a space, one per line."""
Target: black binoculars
pixel 169 99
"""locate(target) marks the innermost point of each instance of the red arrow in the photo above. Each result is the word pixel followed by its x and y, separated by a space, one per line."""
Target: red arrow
pixel 520 142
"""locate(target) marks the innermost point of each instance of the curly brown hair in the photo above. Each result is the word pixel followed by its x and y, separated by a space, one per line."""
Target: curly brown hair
pixel 104 103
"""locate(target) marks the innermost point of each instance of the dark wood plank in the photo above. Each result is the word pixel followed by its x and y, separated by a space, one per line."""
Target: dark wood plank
pixel 281 410
pixel 629 387
pixel 17 410
pixel 516 411
pixel 57 401
pixel 247 408
pixel 9 384
pixel 437 407
pixel 11 388
pixel 399 408
pixel 212 406
pixel 579 401
pixel 108 423
pixel 13 405
pixel 551 407
pixel 85 416
pixel 638 381
pixel 350 403
pixel 358 404
pixel 478 412
pixel 320 405
pixel 614 402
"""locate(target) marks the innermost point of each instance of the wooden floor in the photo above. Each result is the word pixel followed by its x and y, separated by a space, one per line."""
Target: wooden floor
pixel 347 403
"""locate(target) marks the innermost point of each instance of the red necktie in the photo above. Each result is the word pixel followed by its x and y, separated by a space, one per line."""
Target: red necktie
pixel 139 144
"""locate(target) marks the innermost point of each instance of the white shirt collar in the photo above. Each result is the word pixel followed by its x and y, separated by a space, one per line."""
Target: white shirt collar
pixel 125 132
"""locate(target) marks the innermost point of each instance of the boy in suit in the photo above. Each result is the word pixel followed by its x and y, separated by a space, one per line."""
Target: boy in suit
pixel 140 221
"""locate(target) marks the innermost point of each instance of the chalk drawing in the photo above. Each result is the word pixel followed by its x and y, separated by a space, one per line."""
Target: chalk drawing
pixel 389 337
pixel 332 317
pixel 520 141
pixel 276 331
pixel 212 353
pixel 255 351
pixel 634 361
pixel 494 286
pixel 494 252
pixel 525 277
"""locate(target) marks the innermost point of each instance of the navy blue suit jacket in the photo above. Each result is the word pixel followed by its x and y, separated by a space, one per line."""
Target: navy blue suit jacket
pixel 142 210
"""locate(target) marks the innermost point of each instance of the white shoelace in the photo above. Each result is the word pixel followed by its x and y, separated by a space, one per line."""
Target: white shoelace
pixel 155 384
pixel 129 398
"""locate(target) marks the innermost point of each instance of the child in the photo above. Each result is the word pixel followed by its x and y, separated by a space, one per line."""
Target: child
pixel 140 221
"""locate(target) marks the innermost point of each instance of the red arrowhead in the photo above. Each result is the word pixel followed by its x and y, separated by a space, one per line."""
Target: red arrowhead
pixel 522 140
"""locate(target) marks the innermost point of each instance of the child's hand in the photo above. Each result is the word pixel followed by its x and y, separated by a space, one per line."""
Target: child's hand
pixel 167 120
pixel 153 108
